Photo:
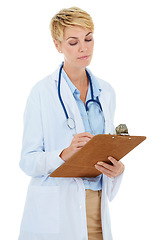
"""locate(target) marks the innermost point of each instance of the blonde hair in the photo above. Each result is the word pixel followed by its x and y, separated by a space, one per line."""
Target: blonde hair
pixel 69 17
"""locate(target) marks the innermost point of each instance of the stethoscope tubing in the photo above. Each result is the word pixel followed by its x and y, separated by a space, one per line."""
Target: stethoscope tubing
pixel 70 121
pixel 59 92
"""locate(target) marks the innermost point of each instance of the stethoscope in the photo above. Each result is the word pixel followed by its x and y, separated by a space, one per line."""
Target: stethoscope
pixel 70 121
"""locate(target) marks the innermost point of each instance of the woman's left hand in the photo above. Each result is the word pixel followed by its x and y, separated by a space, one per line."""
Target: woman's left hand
pixel 110 170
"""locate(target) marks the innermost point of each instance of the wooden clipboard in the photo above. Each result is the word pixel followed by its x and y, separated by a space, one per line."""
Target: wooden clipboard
pixel 99 148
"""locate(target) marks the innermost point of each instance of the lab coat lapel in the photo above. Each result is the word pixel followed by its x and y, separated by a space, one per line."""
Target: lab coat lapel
pixel 104 100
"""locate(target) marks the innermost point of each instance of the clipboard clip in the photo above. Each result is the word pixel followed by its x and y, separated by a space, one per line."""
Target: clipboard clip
pixel 121 129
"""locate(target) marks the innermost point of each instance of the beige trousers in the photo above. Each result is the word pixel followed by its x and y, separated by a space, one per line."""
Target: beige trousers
pixel 93 211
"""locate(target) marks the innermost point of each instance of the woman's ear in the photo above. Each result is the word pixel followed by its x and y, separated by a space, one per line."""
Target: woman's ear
pixel 57 45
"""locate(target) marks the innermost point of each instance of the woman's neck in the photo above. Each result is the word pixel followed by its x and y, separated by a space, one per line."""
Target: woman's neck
pixel 77 76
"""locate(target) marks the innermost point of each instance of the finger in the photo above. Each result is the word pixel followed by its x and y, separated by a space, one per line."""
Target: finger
pixel 87 134
pixel 79 144
pixel 104 171
pixel 113 160
pixel 83 139
pixel 84 134
pixel 105 165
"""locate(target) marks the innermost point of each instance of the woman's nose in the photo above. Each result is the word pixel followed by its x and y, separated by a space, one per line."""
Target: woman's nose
pixel 83 47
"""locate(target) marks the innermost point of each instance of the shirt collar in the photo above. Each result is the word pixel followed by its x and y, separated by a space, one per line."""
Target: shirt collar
pixel 70 84
pixel 96 87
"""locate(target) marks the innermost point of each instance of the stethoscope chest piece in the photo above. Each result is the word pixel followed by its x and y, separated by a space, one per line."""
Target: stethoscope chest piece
pixel 71 123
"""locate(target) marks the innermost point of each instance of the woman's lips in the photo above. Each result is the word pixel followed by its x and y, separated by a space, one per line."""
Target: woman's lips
pixel 84 57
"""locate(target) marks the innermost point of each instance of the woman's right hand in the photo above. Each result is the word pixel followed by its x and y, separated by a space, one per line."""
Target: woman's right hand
pixel 78 141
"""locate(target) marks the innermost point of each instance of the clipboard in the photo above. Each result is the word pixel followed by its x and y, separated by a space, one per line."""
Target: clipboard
pixel 98 149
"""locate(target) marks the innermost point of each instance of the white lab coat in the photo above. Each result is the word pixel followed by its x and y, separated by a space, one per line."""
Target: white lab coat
pixel 55 207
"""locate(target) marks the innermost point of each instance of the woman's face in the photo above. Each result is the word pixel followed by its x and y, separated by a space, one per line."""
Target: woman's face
pixel 77 46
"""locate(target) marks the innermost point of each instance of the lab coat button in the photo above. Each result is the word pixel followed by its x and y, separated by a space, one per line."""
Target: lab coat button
pixel 80 206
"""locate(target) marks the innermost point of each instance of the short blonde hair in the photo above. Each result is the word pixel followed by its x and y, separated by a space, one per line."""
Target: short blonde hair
pixel 68 17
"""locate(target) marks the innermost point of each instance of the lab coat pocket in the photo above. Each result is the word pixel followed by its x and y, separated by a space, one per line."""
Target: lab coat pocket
pixel 41 213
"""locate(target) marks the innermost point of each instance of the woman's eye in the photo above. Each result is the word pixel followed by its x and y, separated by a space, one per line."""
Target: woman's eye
pixel 72 44
pixel 88 40
pixel 75 43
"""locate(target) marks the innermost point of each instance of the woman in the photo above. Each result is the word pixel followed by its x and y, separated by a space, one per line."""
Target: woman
pixel 56 125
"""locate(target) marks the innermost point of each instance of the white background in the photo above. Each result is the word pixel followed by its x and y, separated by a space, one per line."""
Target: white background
pixel 127 55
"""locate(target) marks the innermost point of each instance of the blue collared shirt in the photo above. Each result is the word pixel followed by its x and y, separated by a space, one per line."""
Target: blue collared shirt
pixel 90 183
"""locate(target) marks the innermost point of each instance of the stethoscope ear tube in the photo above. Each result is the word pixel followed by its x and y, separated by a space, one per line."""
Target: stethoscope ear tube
pixel 92 97
pixel 70 122
pixel 93 100
pixel 59 91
